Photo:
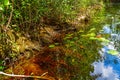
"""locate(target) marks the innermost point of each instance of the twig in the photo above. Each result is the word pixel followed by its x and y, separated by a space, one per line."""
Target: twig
pixel 24 76
pixel 11 13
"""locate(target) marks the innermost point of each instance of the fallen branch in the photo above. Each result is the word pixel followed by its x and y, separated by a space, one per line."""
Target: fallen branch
pixel 24 76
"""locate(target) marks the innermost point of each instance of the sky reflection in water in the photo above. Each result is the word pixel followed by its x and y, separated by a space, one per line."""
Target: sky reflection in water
pixel 109 67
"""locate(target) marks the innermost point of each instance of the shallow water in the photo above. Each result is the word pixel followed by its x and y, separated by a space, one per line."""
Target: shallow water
pixel 108 67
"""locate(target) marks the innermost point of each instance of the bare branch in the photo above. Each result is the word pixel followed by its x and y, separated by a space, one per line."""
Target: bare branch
pixel 24 76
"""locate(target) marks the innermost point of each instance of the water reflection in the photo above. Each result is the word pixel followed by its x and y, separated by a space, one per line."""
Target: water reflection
pixel 108 68
pixel 104 72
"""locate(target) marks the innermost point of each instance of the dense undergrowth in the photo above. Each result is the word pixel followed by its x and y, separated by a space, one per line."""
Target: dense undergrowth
pixel 46 36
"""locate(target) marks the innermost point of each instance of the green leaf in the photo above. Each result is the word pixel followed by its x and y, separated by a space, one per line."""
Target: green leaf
pixel 89 35
pixel 73 60
pixel 2 67
pixel 72 42
pixel 92 34
pixel 93 38
pixel 6 2
pixel 103 40
pixel 75 38
pixel 113 52
pixel 51 46
pixel 93 29
pixel 81 31
pixel 1 8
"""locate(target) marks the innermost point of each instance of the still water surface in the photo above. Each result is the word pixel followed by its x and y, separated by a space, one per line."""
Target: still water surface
pixel 108 67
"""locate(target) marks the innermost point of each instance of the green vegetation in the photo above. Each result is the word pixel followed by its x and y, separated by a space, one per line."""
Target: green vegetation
pixel 40 30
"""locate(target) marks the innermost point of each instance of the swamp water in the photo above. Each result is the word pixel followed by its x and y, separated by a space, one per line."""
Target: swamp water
pixel 108 67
